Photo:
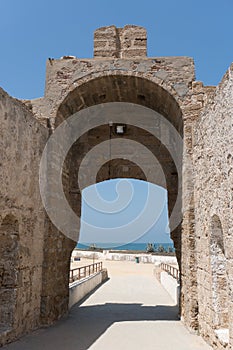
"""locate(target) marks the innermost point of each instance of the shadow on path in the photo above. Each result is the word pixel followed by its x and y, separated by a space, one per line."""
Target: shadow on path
pixel 85 324
pixel 96 319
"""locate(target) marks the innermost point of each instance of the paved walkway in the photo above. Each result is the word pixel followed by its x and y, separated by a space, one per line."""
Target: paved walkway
pixel 130 311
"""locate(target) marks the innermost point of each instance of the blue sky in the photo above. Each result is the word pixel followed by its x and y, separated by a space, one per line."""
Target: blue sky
pixel 129 211
pixel 32 31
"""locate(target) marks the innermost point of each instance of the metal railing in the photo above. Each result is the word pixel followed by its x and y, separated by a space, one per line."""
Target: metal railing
pixel 85 271
pixel 171 270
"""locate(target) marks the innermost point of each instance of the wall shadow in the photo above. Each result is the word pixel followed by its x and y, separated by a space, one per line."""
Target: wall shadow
pixel 85 324
pixel 94 320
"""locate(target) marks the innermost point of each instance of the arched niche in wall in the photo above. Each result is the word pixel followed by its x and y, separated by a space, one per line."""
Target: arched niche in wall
pixel 220 287
pixel 9 261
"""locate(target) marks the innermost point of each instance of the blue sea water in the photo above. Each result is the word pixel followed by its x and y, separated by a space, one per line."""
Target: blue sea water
pixel 129 246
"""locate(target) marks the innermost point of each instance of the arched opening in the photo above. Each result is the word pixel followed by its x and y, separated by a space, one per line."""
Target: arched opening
pixel 87 163
pixel 120 168
pixel 100 154
pixel 220 289
pixel 125 212
pixel 121 218
pixel 9 262
pixel 121 88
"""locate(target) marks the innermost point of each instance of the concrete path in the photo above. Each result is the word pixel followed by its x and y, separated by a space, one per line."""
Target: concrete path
pixel 130 311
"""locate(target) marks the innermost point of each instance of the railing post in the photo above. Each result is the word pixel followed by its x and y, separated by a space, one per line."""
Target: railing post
pixel 171 270
pixel 72 276
pixel 84 271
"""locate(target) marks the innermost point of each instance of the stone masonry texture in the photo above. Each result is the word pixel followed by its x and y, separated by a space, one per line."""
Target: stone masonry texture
pixel 213 191
pixel 22 217
pixel 35 256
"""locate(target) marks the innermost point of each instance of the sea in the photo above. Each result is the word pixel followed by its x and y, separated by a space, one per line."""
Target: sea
pixel 130 246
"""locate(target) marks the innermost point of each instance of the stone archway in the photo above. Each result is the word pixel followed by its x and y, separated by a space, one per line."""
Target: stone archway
pixel 137 90
pixel 121 88
pixel 101 91
pixel 120 168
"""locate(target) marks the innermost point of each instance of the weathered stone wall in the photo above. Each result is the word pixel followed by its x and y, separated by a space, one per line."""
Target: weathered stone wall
pixel 119 72
pixel 76 75
pixel 22 217
pixel 127 42
pixel 200 95
pixel 164 84
pixel 213 172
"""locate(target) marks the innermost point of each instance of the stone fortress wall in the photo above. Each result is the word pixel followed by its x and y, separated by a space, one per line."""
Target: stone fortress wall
pixel 120 72
pixel 213 193
pixel 22 219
